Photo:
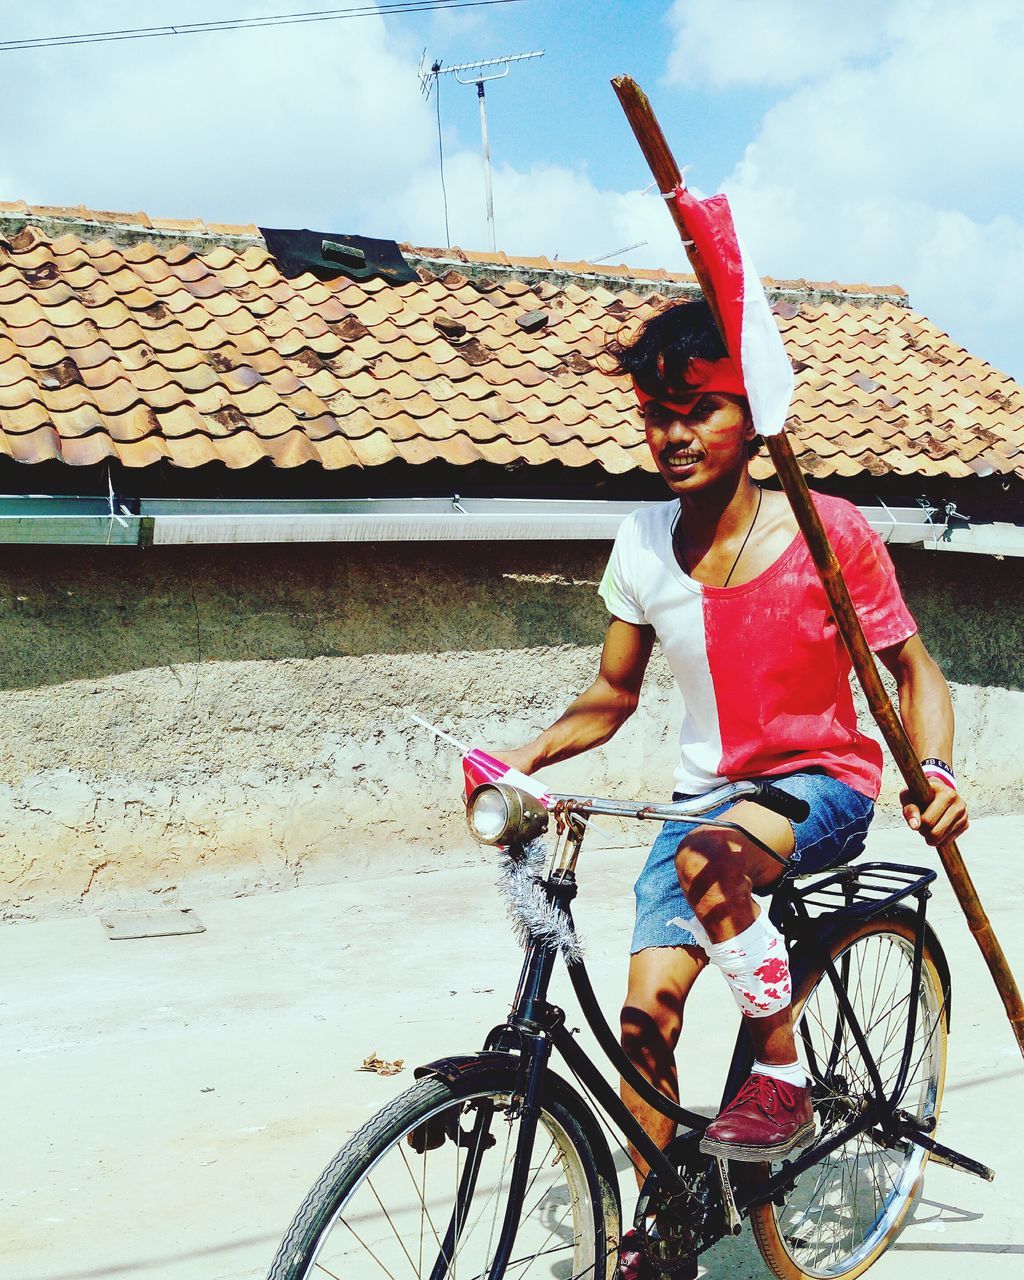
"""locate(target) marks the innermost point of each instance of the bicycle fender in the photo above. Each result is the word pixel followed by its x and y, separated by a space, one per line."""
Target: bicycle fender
pixel 803 955
pixel 942 964
pixel 460 1065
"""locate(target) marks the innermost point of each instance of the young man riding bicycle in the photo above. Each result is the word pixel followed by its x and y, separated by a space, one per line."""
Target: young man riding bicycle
pixel 720 576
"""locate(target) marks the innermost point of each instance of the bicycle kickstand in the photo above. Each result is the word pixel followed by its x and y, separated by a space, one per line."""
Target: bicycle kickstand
pixel 947 1156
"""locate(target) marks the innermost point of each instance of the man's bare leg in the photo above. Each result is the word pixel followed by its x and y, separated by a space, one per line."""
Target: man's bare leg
pixel 660 979
pixel 718 872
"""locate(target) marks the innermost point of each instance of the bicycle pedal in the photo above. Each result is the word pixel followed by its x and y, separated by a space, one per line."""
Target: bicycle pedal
pixel 732 1216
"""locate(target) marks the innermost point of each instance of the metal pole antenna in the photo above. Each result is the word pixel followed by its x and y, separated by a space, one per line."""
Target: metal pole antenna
pixel 501 66
pixel 487 162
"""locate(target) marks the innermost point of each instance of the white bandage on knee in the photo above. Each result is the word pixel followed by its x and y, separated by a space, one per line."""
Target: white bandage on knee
pixel 756 967
pixel 690 924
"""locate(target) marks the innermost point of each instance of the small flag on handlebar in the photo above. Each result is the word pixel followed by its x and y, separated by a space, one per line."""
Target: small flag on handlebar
pixel 479 768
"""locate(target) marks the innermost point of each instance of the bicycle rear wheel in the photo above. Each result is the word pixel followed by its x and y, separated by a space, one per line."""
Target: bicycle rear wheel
pixel 386 1205
pixel 843 1212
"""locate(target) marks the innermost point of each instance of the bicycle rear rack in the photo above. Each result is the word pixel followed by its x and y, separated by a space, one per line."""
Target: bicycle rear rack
pixel 861 889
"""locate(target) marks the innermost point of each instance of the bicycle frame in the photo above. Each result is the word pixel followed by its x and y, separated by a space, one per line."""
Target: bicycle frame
pixel 535 1028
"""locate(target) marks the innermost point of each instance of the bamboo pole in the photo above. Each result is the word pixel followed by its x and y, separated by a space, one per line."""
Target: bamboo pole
pixel 666 173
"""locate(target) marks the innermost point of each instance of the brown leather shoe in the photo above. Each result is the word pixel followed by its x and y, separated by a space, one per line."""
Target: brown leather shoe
pixel 765 1121
pixel 632 1264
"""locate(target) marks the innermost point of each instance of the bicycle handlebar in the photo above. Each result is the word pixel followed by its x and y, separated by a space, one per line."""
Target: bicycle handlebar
pixel 781 802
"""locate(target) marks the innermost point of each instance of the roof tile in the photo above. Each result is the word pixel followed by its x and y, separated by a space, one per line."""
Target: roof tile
pixel 141 352
pixel 87 450
pixel 336 453
pixel 374 449
pixel 460 451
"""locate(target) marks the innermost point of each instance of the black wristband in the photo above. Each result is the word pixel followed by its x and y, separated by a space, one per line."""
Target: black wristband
pixel 936 768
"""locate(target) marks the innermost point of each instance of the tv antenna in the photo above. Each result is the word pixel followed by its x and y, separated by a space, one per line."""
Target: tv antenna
pixel 474 73
pixel 626 248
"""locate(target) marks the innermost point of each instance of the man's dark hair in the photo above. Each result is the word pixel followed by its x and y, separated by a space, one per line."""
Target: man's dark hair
pixel 658 358
pixel 660 354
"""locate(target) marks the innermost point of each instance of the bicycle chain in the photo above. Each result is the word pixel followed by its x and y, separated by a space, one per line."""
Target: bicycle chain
pixel 687 1223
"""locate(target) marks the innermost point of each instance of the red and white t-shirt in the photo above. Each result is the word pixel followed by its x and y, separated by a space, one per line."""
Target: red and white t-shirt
pixel 764 674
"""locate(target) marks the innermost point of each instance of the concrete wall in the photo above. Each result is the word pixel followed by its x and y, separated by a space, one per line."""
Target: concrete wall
pixel 189 720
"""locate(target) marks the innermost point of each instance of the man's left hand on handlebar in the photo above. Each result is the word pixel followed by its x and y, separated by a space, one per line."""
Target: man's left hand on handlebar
pixel 521 758
pixel 944 819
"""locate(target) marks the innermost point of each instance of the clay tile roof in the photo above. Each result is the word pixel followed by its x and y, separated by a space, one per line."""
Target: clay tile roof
pixel 145 339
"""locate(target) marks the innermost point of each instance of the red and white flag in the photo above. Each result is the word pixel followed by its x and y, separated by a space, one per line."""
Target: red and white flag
pixel 479 767
pixel 752 337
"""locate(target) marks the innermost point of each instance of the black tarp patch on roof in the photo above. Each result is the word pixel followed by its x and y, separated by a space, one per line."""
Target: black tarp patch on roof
pixel 329 255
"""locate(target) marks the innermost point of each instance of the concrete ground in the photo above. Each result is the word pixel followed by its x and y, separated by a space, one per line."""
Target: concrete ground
pixel 167 1102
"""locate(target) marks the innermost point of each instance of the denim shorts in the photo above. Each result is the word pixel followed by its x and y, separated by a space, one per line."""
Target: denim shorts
pixel 833 833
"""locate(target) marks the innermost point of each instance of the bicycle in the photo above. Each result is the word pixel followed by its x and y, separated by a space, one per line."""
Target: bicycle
pixel 493 1166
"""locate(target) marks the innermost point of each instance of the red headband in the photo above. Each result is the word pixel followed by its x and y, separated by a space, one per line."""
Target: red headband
pixel 702 378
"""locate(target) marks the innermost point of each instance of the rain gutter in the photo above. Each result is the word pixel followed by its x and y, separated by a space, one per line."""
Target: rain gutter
pixel 76 521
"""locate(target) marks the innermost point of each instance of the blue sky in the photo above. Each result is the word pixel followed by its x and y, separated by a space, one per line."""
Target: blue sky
pixel 562 109
pixel 878 142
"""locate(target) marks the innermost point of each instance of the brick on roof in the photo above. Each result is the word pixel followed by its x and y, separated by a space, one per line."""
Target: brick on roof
pixel 144 339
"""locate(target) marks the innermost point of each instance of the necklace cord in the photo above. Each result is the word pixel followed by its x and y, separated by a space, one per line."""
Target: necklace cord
pixel 743 545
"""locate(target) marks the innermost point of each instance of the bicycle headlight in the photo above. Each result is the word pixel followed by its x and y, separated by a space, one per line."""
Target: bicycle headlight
pixel 501 814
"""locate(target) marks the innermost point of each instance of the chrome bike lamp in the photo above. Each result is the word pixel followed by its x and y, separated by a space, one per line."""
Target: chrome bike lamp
pixel 498 813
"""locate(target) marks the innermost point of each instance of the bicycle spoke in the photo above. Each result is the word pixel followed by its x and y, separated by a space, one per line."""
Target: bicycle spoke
pixel 889 951
pixel 939 1018
pixel 380 1264
pixel 864 1180
pixel 568 1209
pixel 857 996
pixel 576 1275
pixel 837 1209
pixel 421 1195
pixel 391 1224
pixel 457 1211
pixel 536 1174
pixel 879 975
pixel 894 1028
pixel 825 1199
pixel 494 1219
pixel 495 1196
pixel 853 1169
pixel 559 1248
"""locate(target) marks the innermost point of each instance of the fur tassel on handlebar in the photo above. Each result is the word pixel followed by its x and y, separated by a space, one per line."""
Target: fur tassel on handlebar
pixel 532 914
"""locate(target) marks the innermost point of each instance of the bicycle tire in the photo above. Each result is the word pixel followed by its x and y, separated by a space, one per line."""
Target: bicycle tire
pixel 585 1183
pixel 791 1235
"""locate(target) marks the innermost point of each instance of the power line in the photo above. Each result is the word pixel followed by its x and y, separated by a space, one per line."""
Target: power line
pixel 384 7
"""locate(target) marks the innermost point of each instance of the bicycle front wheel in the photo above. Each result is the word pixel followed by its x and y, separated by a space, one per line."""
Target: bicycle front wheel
pixel 421 1189
pixel 844 1211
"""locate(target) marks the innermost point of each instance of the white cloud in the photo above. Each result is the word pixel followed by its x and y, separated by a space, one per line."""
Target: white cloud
pixel 904 168
pixel 724 43
pixel 268 126
pixel 282 129
pixel 546 210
